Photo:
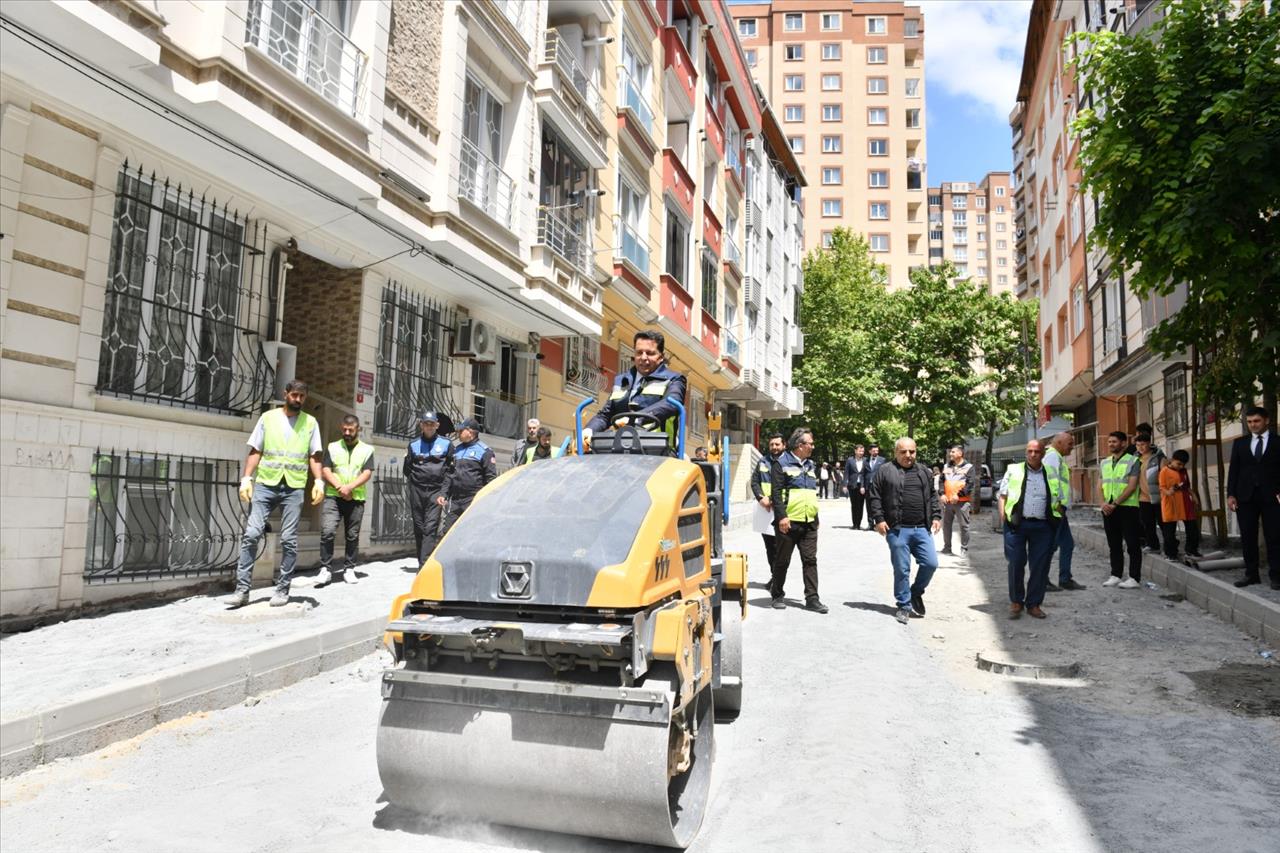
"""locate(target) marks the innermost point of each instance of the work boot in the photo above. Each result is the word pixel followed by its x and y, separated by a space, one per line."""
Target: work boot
pixel 816 606
pixel 325 577
pixel 239 598
pixel 281 598
pixel 1070 583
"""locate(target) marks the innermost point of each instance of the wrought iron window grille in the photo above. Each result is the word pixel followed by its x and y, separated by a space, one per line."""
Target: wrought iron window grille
pixel 414 367
pixel 391 517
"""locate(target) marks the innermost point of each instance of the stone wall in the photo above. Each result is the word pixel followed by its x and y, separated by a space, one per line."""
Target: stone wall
pixel 413 54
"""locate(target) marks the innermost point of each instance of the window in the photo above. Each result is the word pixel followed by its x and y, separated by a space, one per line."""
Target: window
pixel 879 242
pixel 878 147
pixel 1000 208
pixel 793 82
pixel 982 272
pixel 831 21
pixel 832 175
pixel 877 115
pixel 913 87
pixel 877 25
pixel 980 201
pixel 677 260
pixel 960 219
pixel 831 52
pixel 747 28
pixel 793 22
pixel 959 202
pixel 960 253
pixel 878 210
pixel 982 236
pixel 878 178
pixel 935 201
pixel 751 57
pixel 177 291
pixel 981 217
pixel 831 82
pixel 633 224
pixel 1075 219
pixel 827 237
pixel 793 52
pixel 1002 279
pixel 982 254
pixel 796 143
pixel 710 283
pixel 935 236
pixel 1002 261
pixel 877 85
pixel 1175 401
pixel 913 118
pixel 793 112
pixel 877 55
pixel 634 84
pixel 832 207
pixel 960 235
pixel 911 28
pixel 1001 244
pixel 1000 227
pixel 1000 191
pixel 832 112
pixel 962 270
pixel 832 144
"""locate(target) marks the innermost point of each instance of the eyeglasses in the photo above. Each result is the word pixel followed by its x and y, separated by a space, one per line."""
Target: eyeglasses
pixel 1035 452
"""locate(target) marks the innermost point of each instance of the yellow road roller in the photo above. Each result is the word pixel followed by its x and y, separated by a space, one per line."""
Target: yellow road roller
pixel 562 655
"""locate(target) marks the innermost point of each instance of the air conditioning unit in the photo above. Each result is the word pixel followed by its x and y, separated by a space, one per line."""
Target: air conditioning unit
pixel 476 341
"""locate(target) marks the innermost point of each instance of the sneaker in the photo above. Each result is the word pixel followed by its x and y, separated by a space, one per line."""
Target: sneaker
pixel 1151 549
pixel 237 599
pixel 1071 584
pixel 917 604
pixel 1052 587
pixel 324 578
pixel 947 551
pixel 964 550
pixel 816 606
pixel 1129 583
pixel 349 577
pixel 280 599
pixel 903 614
pixel 1111 581
pixel 779 603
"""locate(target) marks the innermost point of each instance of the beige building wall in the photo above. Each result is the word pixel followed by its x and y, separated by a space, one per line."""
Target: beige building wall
pixel 847 80
pixel 971 225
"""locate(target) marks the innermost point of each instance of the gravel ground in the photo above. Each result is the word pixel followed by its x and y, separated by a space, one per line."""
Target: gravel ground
pixel 856 733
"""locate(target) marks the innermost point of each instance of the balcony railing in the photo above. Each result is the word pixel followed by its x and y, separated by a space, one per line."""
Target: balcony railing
pixel 631 246
pixel 729 344
pixel 522 14
pixel 484 184
pixel 292 34
pixel 565 236
pixel 557 52
pixel 633 99
pixel 731 252
pixel 1111 336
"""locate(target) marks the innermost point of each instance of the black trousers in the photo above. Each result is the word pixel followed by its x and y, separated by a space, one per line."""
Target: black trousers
pixel 1265 512
pixel 348 513
pixel 1169 530
pixel 426 524
pixel 1123 534
pixel 457 506
pixel 770 549
pixel 803 537
pixel 857 501
pixel 1149 513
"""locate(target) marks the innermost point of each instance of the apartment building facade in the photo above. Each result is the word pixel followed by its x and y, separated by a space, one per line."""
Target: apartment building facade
pixel 847 80
pixel 971 225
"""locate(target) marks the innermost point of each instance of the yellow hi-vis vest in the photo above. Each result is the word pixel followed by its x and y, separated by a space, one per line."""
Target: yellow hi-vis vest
pixel 284 451
pixel 347 465
pixel 766 485
pixel 801 488
pixel 529 457
pixel 1115 479
pixel 1017 476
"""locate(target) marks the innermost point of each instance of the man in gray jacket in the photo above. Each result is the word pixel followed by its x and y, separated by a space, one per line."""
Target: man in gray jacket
pixel 959 486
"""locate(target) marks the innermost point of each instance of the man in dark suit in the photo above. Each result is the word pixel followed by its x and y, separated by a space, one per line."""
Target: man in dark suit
pixel 857 476
pixel 1253 493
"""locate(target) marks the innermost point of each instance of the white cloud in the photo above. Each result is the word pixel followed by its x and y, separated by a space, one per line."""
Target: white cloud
pixel 973 50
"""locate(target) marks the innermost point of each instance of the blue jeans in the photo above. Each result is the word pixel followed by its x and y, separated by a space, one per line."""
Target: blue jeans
pixel 1032 541
pixel 905 543
pixel 266 499
pixel 1065 544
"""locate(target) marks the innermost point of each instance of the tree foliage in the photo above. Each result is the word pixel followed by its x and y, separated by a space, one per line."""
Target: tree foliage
pixel 1183 155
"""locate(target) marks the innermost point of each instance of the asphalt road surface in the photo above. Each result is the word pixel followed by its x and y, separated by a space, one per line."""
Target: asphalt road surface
pixel 857 733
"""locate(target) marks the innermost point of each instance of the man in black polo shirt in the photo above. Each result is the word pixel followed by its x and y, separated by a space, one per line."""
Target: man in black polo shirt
pixel 904 509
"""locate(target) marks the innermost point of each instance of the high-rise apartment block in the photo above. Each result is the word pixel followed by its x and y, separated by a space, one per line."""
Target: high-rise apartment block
pixel 971 225
pixel 847 79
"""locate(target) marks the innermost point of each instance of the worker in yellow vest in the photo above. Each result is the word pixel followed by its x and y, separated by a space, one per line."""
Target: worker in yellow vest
pixel 346 469
pixel 283 448
pixel 541 447
pixel 1120 519
pixel 1031 506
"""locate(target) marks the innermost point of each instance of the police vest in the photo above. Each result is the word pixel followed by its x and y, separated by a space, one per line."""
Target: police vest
pixel 529 457
pixel 347 465
pixel 766 485
pixel 1017 476
pixel 1115 479
pixel 801 490
pixel 285 451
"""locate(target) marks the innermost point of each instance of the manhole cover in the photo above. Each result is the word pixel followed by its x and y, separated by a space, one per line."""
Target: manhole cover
pixel 1000 665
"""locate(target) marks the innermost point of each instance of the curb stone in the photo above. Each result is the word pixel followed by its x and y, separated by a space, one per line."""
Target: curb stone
pixel 98 718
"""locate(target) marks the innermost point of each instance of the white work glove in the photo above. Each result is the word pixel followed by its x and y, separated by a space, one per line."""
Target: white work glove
pixel 246 489
pixel 317 493
pixel 586 438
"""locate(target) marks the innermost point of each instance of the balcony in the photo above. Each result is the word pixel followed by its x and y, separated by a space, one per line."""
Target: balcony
pixel 732 256
pixel 566 236
pixel 797 340
pixel 637 115
pixel 482 183
pixel 714 129
pixel 729 346
pixel 302 42
pixel 733 167
pixel 676 181
pixel 680 70
pixel 631 246
pixel 712 231
pixel 571 99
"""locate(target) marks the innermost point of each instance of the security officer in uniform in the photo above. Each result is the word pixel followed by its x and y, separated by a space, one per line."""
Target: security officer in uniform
pixel 795 514
pixel 426 463
pixel 762 488
pixel 648 388
pixel 347 469
pixel 1031 504
pixel 474 466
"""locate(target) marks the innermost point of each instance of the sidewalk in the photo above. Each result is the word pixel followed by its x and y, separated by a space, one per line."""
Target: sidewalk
pixel 76 686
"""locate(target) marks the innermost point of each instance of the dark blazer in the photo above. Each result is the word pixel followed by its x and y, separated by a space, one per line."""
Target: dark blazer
pixel 855 479
pixel 1247 478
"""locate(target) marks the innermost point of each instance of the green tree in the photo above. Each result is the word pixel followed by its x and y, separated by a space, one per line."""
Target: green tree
pixel 1183 154
pixel 1008 343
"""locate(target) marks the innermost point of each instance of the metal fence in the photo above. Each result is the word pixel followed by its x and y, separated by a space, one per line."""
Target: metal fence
pixel 185 300
pixel 392 519
pixel 414 369
pixel 161 516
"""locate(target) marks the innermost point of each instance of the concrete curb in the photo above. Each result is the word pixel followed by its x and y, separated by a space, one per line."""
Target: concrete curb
pixel 1250 613
pixel 98 718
